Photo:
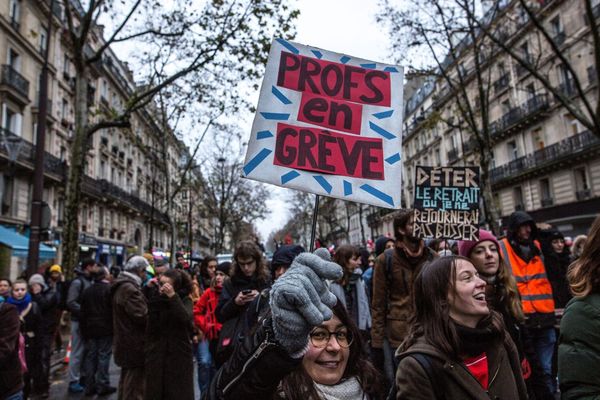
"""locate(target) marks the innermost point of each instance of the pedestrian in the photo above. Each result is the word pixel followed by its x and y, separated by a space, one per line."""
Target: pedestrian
pixel 11 375
pixel 84 272
pixel 579 342
pixel 308 348
pixel 283 258
pixel 206 322
pixel 55 280
pixel 557 259
pixel 31 329
pixel 382 243
pixel 456 348
pixel 130 314
pixel 394 274
pixel 5 287
pixel 523 254
pixel 503 297
pixel 97 331
pixel 208 266
pixel 577 247
pixel 249 276
pixel 168 350
pixel 351 290
pixel 47 299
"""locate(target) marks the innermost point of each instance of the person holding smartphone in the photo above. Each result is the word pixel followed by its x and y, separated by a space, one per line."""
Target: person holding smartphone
pixel 249 276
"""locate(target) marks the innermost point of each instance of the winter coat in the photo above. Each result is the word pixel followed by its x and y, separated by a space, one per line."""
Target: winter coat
pixel 78 285
pixel 355 299
pixel 579 349
pixel 169 366
pixel 96 311
pixel 130 314
pixel 32 329
pixel 556 269
pixel 204 314
pixel 11 378
pixel 454 380
pixel 48 302
pixel 391 303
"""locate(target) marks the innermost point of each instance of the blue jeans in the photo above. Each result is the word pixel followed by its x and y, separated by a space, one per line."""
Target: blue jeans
pixel 206 370
pixel 76 353
pixel 97 362
pixel 544 340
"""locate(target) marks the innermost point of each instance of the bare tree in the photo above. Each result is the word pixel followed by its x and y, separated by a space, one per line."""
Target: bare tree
pixel 188 39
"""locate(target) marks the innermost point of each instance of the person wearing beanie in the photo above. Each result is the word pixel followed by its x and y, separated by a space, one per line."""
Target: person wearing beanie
pixel 502 296
pixel 382 244
pixel 522 252
pixel 47 297
pixel 556 260
pixel 283 258
pixel 206 322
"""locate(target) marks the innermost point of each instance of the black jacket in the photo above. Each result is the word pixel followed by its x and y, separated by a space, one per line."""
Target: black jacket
pixel 556 267
pixel 48 302
pixel 11 378
pixel 95 320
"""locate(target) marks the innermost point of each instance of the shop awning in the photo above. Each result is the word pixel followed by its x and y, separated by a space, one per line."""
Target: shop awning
pixel 20 244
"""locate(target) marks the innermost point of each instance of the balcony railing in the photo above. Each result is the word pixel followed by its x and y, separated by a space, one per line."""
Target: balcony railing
pixel 535 104
pixel 52 164
pixel 501 83
pixel 567 148
pixel 547 202
pixel 12 78
pixel 583 194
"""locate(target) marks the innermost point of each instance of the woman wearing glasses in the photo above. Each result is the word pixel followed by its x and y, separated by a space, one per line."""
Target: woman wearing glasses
pixel 307 348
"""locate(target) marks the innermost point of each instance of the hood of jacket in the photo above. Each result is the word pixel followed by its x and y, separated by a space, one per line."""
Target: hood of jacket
pixel 517 219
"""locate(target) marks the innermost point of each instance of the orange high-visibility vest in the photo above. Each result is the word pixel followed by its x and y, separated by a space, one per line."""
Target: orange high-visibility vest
pixel 532 281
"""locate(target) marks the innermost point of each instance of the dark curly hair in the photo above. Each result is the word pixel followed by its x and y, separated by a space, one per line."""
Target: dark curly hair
pixel 182 283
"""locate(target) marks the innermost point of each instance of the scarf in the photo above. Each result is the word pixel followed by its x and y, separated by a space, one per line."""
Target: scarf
pixel 413 257
pixel 20 304
pixel 347 389
pixel 474 341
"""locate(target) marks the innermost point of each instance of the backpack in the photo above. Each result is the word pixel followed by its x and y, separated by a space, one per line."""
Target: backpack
pixel 432 374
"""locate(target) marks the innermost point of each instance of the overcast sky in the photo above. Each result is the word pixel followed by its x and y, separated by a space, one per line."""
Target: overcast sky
pixel 343 26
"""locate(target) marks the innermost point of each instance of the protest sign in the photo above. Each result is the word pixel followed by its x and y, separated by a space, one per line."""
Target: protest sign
pixel 446 203
pixel 328 124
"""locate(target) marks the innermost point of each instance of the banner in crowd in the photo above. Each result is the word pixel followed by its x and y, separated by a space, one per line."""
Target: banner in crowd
pixel 446 203
pixel 329 124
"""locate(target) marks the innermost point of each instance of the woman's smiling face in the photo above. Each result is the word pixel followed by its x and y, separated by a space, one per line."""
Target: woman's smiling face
pixel 467 296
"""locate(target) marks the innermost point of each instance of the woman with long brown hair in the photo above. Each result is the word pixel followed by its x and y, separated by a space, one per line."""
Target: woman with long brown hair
pixel 456 347
pixel 579 341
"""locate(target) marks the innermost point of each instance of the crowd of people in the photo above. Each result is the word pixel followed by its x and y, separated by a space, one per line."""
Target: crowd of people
pixel 512 317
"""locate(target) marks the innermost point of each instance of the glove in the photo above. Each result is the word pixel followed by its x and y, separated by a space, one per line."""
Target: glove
pixel 301 300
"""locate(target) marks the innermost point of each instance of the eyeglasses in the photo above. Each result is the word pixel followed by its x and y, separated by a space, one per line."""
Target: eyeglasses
pixel 320 338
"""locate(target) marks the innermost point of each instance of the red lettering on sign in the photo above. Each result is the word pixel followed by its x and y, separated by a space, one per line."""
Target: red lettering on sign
pixel 336 114
pixel 336 80
pixel 328 152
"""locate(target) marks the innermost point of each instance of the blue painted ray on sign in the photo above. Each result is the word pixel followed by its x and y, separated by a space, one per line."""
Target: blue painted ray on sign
pixel 391 69
pixel 369 65
pixel 256 160
pixel 275 116
pixel 280 95
pixel 288 46
pixel 317 53
pixel 285 178
pixel 323 182
pixel 378 193
pixel 347 188
pixel 381 131
pixel 384 114
pixel 345 59
pixel 263 135
pixel 393 159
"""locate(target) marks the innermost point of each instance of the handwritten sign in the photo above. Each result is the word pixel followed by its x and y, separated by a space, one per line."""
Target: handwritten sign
pixel 446 203
pixel 329 124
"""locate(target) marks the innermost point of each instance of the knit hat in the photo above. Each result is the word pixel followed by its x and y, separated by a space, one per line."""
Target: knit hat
pixel 284 255
pixel 55 268
pixel 380 244
pixel 39 279
pixel 224 267
pixel 465 246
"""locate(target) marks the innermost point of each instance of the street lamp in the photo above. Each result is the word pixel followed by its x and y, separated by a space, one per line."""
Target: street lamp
pixel 13 145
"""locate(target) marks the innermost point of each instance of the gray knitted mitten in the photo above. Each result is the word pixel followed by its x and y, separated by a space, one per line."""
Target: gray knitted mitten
pixel 301 300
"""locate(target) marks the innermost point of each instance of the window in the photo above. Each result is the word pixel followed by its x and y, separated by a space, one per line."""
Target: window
pixel 64 109
pixel 12 120
pixel 518 198
pixel 15 13
pixel 530 89
pixel 505 106
pixel 43 40
pixel 545 193
pixel 63 153
pixel 14 60
pixel 525 52
pixel 555 26
pixel 66 66
pixel 102 169
pixel 572 124
pixel 581 181
pixel 501 70
pixel 6 194
pixel 512 150
pixel 538 139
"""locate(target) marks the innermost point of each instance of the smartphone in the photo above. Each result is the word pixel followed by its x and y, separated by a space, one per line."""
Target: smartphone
pixel 246 291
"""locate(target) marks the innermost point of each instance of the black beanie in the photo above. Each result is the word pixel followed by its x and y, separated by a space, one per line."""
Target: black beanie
pixel 284 255
pixel 224 267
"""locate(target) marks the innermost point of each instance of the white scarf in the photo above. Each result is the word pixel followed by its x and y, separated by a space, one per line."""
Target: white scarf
pixel 348 389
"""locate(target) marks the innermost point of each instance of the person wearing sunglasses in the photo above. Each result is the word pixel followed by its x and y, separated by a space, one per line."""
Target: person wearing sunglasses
pixel 306 348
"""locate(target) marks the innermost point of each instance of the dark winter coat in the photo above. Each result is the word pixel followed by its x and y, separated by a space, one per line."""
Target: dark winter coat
pixel 48 302
pixel 32 329
pixel 579 349
pixel 11 378
pixel 556 269
pixel 78 285
pixel 453 378
pixel 391 304
pixel 130 313
pixel 168 351
pixel 96 311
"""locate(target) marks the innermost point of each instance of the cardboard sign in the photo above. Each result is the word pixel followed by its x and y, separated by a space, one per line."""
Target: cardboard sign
pixel 446 203
pixel 328 124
